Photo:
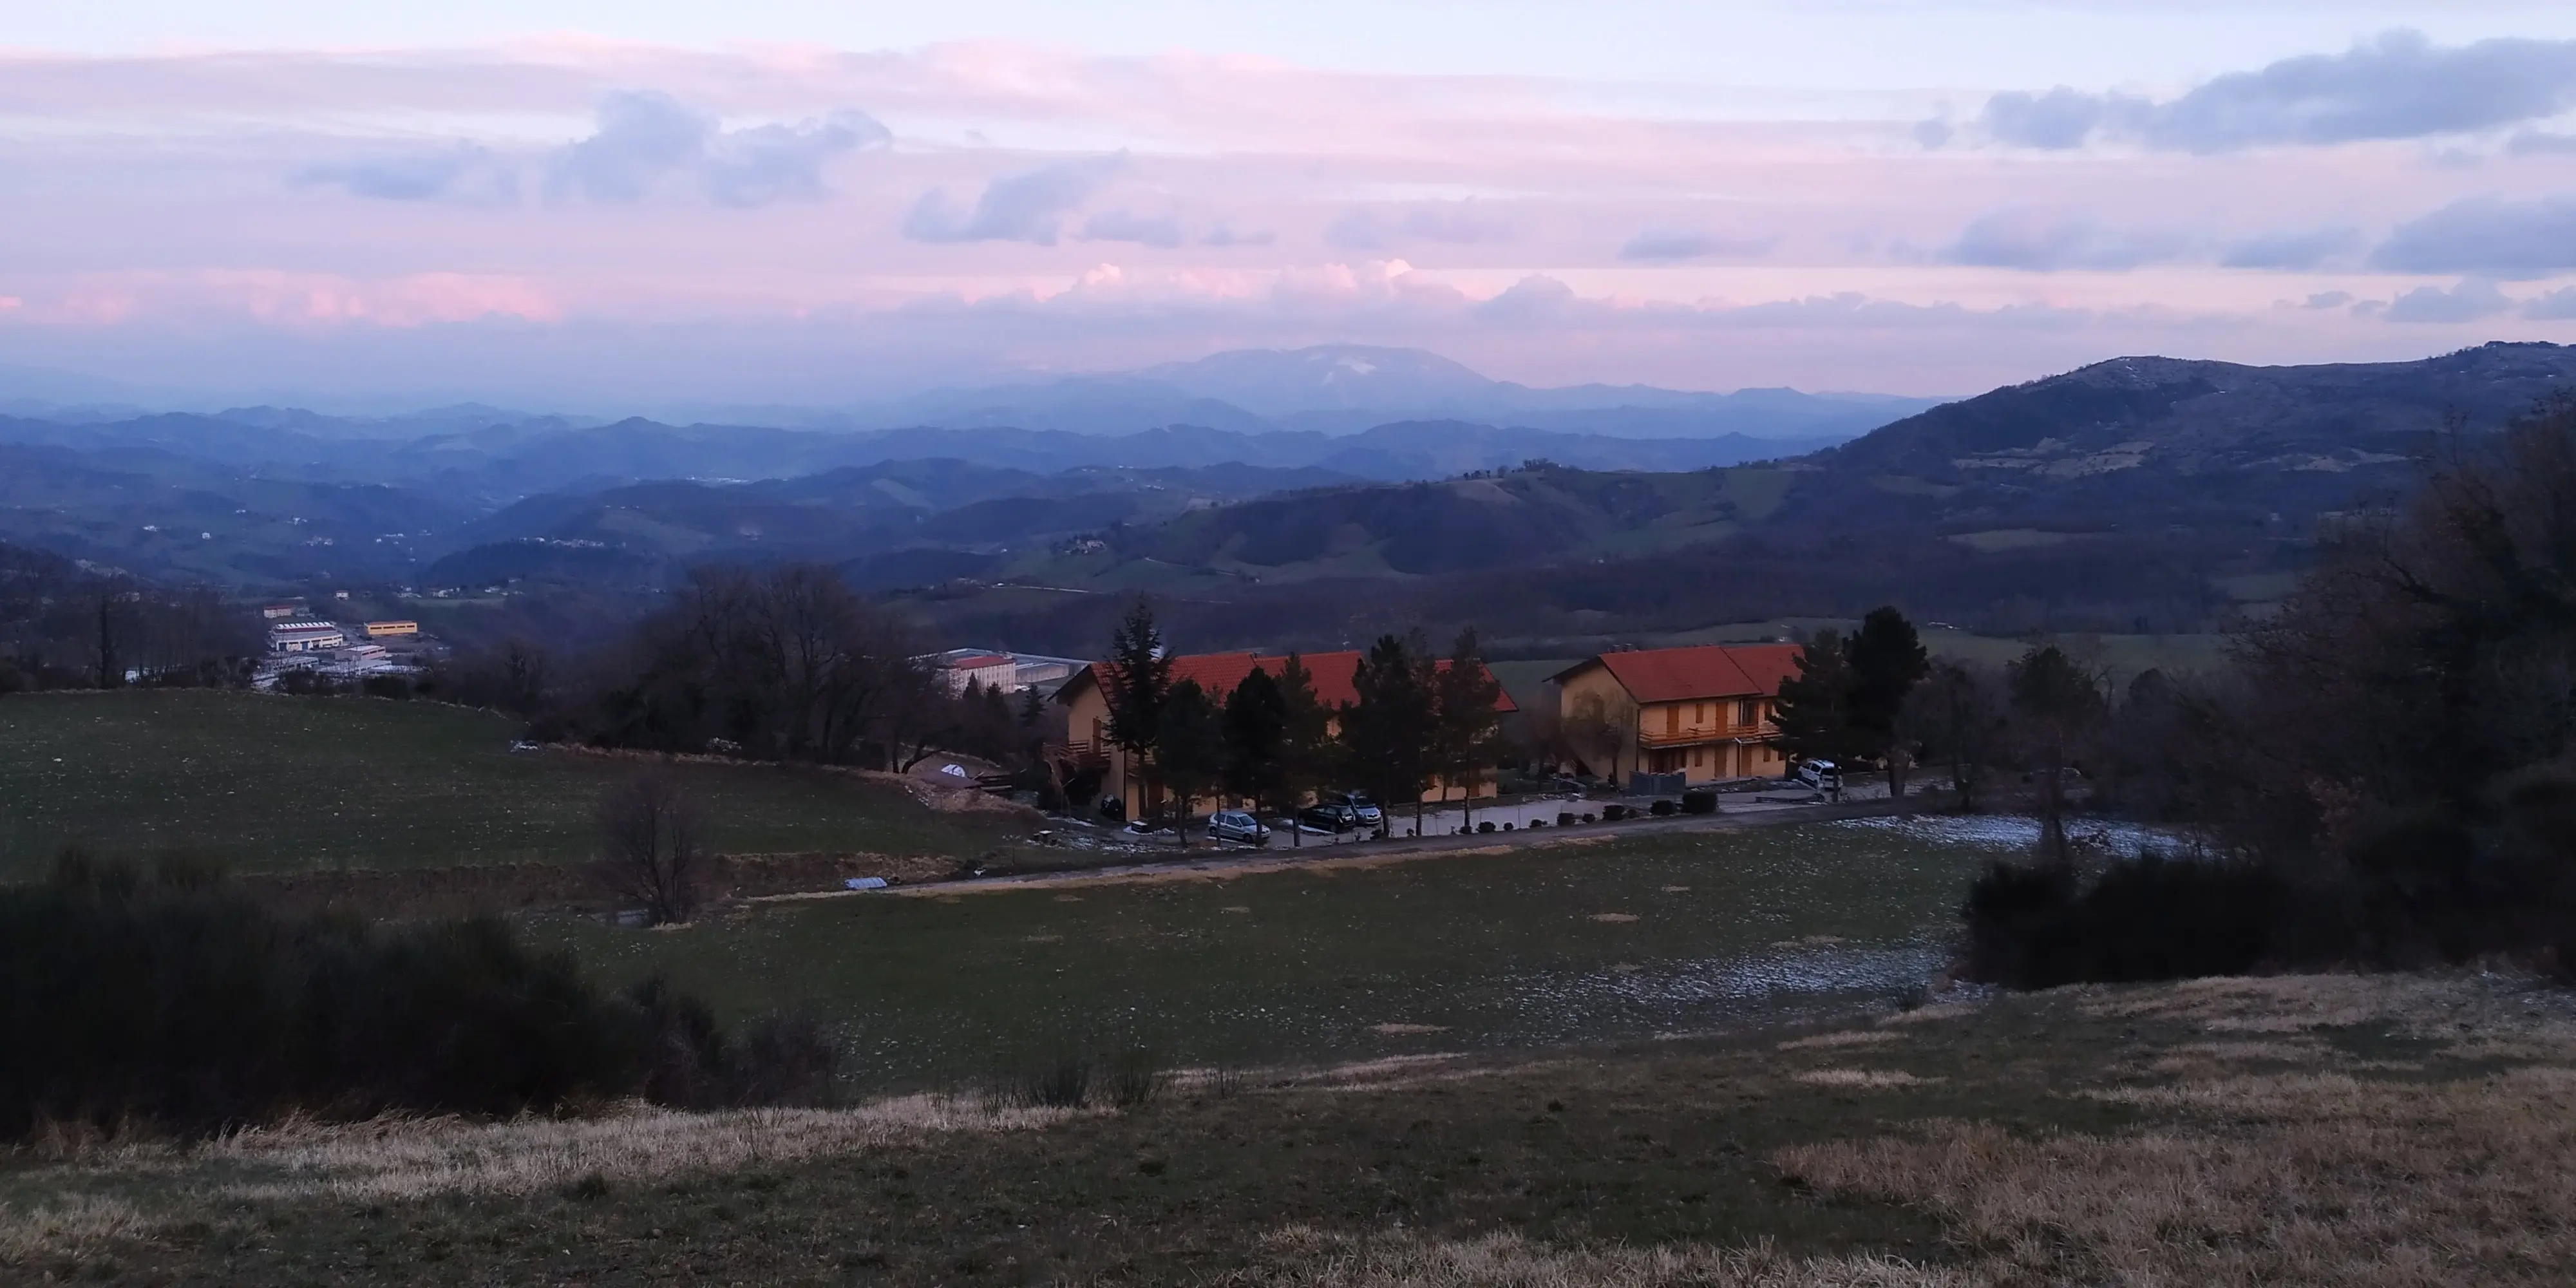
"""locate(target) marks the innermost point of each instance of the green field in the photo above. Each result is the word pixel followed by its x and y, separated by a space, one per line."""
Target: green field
pixel 269 783
pixel 1555 944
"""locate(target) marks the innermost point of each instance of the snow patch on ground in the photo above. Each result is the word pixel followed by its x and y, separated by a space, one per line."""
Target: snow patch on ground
pixel 2019 832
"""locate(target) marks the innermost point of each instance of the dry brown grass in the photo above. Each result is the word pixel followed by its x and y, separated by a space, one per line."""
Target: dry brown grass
pixel 1867 1079
pixel 1311 1259
pixel 1836 1041
pixel 410 1159
pixel 2331 1173
pixel 72 1225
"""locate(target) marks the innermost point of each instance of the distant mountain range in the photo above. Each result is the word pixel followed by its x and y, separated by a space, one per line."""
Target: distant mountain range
pixel 281 494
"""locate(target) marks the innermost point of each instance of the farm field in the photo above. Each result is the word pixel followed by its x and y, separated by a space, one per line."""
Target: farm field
pixel 1551 944
pixel 268 783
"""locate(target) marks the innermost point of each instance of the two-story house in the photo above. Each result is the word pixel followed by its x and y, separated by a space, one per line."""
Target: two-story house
pixel 1086 705
pixel 1703 712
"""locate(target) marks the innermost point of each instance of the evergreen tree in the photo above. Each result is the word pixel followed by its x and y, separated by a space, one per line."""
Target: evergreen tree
pixel 1189 750
pixel 1813 713
pixel 1388 734
pixel 1886 661
pixel 1140 677
pixel 1470 733
pixel 1256 727
pixel 1308 754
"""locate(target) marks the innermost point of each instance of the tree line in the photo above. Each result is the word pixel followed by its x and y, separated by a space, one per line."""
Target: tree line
pixel 2384 773
pixel 65 626
pixel 1416 719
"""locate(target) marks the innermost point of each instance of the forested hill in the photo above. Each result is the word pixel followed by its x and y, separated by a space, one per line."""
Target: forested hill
pixel 2163 440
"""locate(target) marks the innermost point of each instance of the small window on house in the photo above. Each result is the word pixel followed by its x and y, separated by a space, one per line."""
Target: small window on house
pixel 1696 754
pixel 1745 711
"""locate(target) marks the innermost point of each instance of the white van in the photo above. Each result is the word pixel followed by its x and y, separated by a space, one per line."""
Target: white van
pixel 1821 775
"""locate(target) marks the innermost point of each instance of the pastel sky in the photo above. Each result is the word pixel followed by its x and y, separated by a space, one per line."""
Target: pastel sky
pixel 614 207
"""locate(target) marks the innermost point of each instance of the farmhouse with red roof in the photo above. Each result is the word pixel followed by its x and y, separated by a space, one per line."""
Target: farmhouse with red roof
pixel 1701 712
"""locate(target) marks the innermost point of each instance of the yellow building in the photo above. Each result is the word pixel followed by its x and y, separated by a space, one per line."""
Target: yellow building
pixel 1702 712
pixel 392 630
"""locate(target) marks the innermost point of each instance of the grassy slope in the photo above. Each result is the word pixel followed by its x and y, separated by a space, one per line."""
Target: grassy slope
pixel 1534 946
pixel 273 783
pixel 2318 1131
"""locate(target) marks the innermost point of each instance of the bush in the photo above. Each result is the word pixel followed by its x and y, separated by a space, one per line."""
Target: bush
pixel 1661 809
pixel 1486 826
pixel 2150 918
pixel 386 686
pixel 1610 814
pixel 172 1000
pixel 1565 818
pixel 1699 801
pixel 1063 1082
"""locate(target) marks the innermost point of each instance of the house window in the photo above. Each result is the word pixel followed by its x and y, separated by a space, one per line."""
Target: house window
pixel 1699 713
pixel 1695 756
pixel 1673 718
pixel 1745 711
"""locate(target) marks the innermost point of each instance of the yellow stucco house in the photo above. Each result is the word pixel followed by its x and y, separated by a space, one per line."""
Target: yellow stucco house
pixel 1702 712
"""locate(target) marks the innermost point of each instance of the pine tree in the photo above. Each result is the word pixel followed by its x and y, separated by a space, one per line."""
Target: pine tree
pixel 1189 750
pixel 1887 660
pixel 1140 679
pixel 1256 727
pixel 1308 754
pixel 1388 733
pixel 1813 713
pixel 1470 730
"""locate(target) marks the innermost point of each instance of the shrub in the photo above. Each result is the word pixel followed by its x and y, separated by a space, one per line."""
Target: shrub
pixel 1486 826
pixel 1699 801
pixel 1135 1076
pixel 1661 809
pixel 386 686
pixel 1610 814
pixel 171 999
pixel 2149 918
pixel 1063 1082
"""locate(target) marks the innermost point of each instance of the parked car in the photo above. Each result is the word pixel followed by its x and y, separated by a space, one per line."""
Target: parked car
pixel 1237 825
pixel 1329 816
pixel 1822 775
pixel 1362 807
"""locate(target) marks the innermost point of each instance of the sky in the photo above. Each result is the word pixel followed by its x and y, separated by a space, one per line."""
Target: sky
pixel 640 206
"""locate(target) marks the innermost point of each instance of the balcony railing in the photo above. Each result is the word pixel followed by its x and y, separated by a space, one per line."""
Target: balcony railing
pixel 1697 737
pixel 1086 752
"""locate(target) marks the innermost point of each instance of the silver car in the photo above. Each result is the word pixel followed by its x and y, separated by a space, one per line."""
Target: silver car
pixel 1237 825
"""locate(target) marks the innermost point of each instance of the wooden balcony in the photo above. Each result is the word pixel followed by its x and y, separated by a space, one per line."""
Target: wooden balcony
pixel 1085 753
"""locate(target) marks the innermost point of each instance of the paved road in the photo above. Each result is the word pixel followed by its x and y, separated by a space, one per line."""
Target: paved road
pixel 1236 860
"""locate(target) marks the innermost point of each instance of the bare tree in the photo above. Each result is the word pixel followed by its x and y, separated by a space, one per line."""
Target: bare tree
pixel 1598 734
pixel 650 848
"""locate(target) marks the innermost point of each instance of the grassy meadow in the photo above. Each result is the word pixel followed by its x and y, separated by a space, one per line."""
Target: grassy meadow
pixel 2313 1131
pixel 1553 944
pixel 268 783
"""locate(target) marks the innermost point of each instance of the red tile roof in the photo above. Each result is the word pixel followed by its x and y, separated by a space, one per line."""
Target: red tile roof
pixel 1218 673
pixel 1707 671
